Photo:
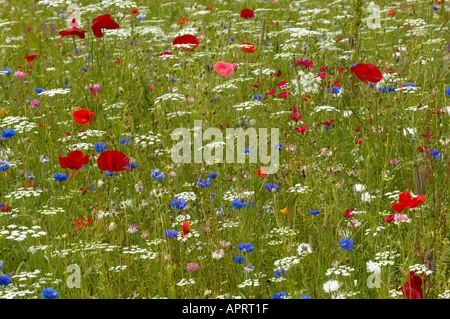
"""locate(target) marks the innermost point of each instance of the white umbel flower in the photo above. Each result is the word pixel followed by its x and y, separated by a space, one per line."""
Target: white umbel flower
pixel 331 286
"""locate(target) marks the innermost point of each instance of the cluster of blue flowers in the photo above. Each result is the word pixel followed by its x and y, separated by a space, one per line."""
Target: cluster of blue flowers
pixel 178 203
pixel 280 295
pixel 170 233
pixel 237 204
pixel 99 147
pixel 60 177
pixel 347 244
pixel 272 188
pixel 314 212
pixel 239 259
pixel 8 133
pixel 246 248
pixel 49 293
pixel 4 166
pixel 156 174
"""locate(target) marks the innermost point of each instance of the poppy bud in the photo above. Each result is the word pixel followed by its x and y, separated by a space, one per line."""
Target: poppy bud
pixel 121 90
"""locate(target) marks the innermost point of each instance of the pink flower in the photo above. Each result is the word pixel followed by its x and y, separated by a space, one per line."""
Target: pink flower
pixel 35 103
pixel 19 75
pixel 354 223
pixel 400 217
pixel 393 161
pixel 94 89
pixel 192 267
pixel 224 69
pixel 191 100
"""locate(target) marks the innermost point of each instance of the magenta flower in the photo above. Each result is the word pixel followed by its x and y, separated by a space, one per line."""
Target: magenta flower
pixel 19 75
pixel 192 267
pixel 94 89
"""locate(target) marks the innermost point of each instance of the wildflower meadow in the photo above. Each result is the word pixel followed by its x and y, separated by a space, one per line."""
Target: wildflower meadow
pixel 219 149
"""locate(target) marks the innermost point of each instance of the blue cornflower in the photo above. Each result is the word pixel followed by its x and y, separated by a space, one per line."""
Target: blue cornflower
pixel 140 17
pixel 233 38
pixel 272 188
pixel 99 147
pixel 335 89
pixel 320 36
pixel 212 175
pixel 203 183
pixel 60 177
pixel 435 8
pixel 178 203
pixel 436 154
pixel 224 26
pixel 278 273
pixel 347 244
pixel 246 248
pixel 5 280
pixel 7 71
pixel 248 151
pixel 63 16
pixel 410 84
pixel 156 174
pixel 391 89
pixel 447 90
pixel 170 233
pixel 4 166
pixel 237 204
pixel 8 133
pixel 39 90
pixel 305 297
pixel 278 147
pixel 314 212
pixel 84 69
pixel 372 85
pixel 382 90
pixel 328 127
pixel 258 96
pixel 239 259
pixel 125 140
pixel 281 295
pixel 49 293
pixel 132 166
pixel 109 173
pixel 173 80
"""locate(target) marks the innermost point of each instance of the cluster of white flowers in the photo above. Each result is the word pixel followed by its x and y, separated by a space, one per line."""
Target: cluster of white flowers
pixel 170 96
pixel 249 282
pixel 298 188
pixel 228 223
pixel 21 235
pixel 183 282
pixel 187 196
pixel 286 262
pixel 50 210
pixel 340 270
pixel 19 124
pixel 247 105
pixel 284 231
pixel 231 195
pixel 118 268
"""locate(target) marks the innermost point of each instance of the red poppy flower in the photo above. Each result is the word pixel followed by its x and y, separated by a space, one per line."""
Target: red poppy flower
pixel 322 69
pixel 113 161
pixel 349 213
pixel 356 128
pixel 135 11
pixel 83 116
pixel 262 172
pixel 183 20
pixel 285 94
pixel 74 31
pixel 31 57
pixel 360 140
pixel 277 75
pixel 5 208
pixel 406 201
pixel 412 289
pixel 75 160
pixel 271 91
pixel 391 13
pixel 247 14
pixel 209 8
pixel 301 129
pixel 187 39
pixel 389 219
pixel 247 47
pixel 80 222
pixel 103 22
pixel 186 226
pixel 327 122
pixel 367 72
